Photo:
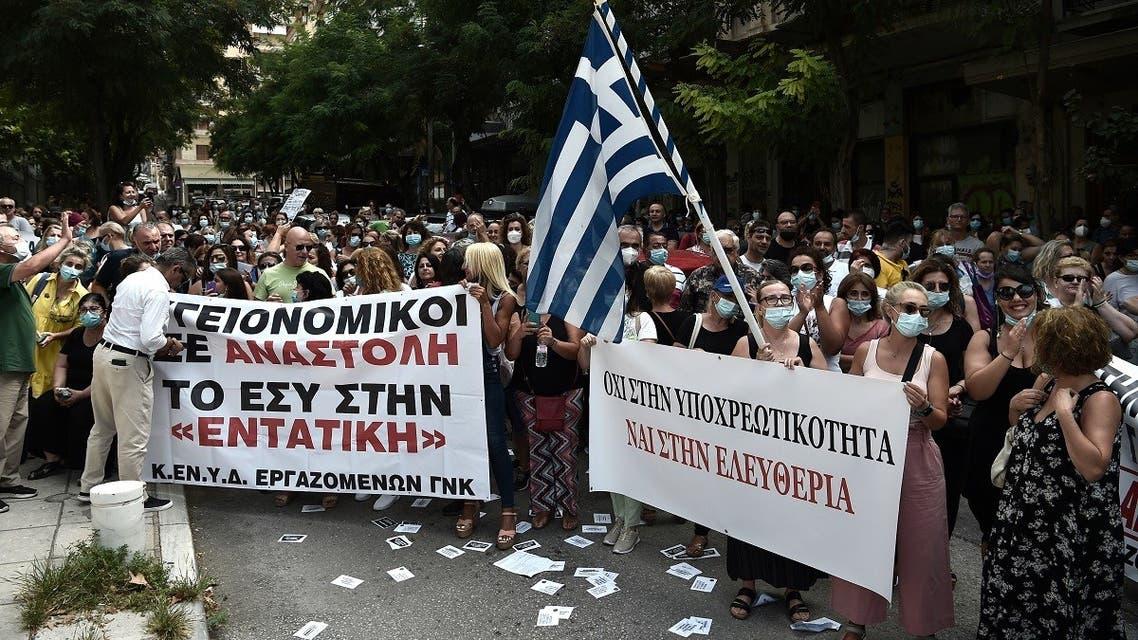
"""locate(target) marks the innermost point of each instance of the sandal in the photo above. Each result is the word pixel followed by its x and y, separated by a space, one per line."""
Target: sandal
pixel 282 499
pixel 506 536
pixel 464 528
pixel 46 469
pixel 569 522
pixel 741 605
pixel 697 545
pixel 857 631
pixel 648 515
pixel 796 612
pixel 330 501
pixel 541 519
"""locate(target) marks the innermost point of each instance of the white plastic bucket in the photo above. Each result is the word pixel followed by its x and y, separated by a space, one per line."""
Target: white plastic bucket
pixel 116 515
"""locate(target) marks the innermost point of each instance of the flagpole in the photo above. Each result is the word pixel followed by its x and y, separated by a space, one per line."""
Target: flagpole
pixel 691 197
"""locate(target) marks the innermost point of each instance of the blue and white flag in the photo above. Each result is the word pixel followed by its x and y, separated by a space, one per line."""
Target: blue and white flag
pixel 611 148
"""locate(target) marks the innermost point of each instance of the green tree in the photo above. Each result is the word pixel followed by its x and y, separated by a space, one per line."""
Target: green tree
pixel 1112 136
pixel 788 100
pixel 128 77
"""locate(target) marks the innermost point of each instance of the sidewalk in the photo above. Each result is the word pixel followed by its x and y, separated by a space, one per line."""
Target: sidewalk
pixel 54 520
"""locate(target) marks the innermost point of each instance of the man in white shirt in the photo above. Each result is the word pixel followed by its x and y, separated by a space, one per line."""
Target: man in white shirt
pixel 657 254
pixel 957 225
pixel 122 395
pixel 1122 284
pixel 825 242
pixel 758 241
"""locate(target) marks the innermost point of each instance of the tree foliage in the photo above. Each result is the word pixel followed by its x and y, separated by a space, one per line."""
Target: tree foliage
pixel 1112 136
pixel 127 77
pixel 788 100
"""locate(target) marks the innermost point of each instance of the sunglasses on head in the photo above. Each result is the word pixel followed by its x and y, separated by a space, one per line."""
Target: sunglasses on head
pixel 911 308
pixel 1070 277
pixel 1024 291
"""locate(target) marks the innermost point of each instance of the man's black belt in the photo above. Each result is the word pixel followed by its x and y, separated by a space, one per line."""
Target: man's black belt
pixel 114 347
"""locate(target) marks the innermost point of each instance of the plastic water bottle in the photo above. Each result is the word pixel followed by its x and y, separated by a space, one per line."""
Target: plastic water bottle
pixel 541 358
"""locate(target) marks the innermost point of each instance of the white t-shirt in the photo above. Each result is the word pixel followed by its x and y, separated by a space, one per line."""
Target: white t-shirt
pixel 639 327
pixel 757 266
pixel 1122 287
pixel 839 269
pixel 966 247
pixel 810 328
pixel 681 279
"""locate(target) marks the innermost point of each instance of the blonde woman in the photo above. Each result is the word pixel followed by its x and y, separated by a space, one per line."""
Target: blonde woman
pixel 1073 283
pixel 1043 267
pixel 486 282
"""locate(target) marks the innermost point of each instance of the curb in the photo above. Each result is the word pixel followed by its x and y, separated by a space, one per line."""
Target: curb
pixel 176 541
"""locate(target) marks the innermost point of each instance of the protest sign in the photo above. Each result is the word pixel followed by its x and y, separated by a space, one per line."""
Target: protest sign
pixel 371 394
pixel 294 202
pixel 1123 380
pixel 805 463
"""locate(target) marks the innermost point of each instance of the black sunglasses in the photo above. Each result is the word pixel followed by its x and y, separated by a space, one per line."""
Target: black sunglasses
pixel 1069 277
pixel 938 287
pixel 911 308
pixel 804 268
pixel 305 247
pixel 1024 291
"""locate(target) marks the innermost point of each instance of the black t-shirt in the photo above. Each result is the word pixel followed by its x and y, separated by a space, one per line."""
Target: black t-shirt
pixel 556 377
pixel 668 325
pixel 721 342
pixel 108 275
pixel 952 344
pixel 79 360
pixel 777 252
pixel 668 231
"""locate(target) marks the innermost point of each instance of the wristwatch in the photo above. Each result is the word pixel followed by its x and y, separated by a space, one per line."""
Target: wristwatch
pixel 926 412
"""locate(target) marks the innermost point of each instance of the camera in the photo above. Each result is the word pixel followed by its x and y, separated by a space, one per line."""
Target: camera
pixel 64 394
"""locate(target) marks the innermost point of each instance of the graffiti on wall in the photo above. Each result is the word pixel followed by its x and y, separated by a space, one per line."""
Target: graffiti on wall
pixel 987 193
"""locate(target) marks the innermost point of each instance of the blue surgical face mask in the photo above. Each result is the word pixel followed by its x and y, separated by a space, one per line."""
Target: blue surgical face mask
pixel 1012 255
pixel 918 224
pixel 295 296
pixel 224 224
pixel 320 233
pixel 203 222
pixel 836 225
pixel 725 308
pixel 105 246
pixel 938 299
pixel 658 256
pixel 705 238
pixel 90 319
pixel 911 325
pixel 859 307
pixel 69 273
pixel 50 240
pixel 210 238
pixel 413 239
pixel 1010 321
pixel 354 241
pixel 803 280
pixel 778 317
pixel 946 250
pixel 1132 265
pixel 975 225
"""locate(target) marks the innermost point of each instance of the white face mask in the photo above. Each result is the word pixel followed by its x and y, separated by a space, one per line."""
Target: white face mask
pixel 1081 231
pixel 514 237
pixel 868 270
pixel 628 255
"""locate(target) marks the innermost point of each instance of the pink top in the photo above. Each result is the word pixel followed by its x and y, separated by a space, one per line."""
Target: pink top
pixel 877 329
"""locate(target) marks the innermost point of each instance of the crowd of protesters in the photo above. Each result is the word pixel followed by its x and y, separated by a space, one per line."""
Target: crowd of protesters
pixel 992 330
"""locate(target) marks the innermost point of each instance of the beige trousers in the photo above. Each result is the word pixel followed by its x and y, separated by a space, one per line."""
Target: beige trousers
pixel 122 398
pixel 13 424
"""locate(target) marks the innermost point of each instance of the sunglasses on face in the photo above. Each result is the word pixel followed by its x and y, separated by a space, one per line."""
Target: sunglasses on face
pixel 368 244
pixel 1070 278
pixel 268 265
pixel 1024 291
pixel 779 300
pixel 804 268
pixel 911 308
pixel 305 247
pixel 938 287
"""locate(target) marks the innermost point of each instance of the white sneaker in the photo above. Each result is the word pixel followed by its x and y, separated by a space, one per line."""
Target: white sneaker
pixel 614 533
pixel 362 497
pixel 384 501
pixel 627 541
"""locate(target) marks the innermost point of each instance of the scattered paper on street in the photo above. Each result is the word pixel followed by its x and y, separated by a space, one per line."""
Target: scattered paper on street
pixel 419 503
pixel 556 566
pixel 525 564
pixel 546 618
pixel 477 545
pixel 585 572
pixel 707 553
pixel 578 541
pixel 764 598
pixel 704 584
pixel 703 625
pixel 562 613
pixel 817 626
pixel 603 590
pixel 383 523
pixel 594 528
pixel 547 586
pixel 310 630
pixel 527 545
pixel 683 570
pixel 408 527
pixel 399 542
pixel 399 574
pixel 292 537
pixel 523 526
pixel 450 551
pixel 602 518
pixel 684 628
pixel 348 582
pixel 311 508
pixel 673 551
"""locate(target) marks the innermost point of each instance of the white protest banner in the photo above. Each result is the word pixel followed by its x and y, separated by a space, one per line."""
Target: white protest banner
pixel 805 463
pixel 1123 380
pixel 294 202
pixel 371 394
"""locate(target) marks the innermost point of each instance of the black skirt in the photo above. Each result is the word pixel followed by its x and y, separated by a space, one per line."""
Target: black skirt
pixel 748 562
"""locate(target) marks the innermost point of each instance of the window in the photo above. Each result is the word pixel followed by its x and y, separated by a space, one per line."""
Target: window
pixel 202 151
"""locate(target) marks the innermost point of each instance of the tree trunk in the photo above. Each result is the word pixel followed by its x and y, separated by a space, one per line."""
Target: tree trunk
pixel 1041 119
pixel 841 189
pixel 97 158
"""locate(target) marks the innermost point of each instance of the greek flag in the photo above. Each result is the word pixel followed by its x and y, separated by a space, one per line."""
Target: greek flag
pixel 611 148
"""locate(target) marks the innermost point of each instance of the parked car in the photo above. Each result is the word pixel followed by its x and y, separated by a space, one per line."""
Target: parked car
pixel 499 206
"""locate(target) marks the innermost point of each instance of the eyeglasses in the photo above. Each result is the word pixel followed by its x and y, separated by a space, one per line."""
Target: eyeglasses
pixel 1070 277
pixel 1024 291
pixel 781 300
pixel 804 268
pixel 7 206
pixel 911 308
pixel 90 309
pixel 938 287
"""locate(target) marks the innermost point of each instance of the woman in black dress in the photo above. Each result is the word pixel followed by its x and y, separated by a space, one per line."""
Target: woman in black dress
pixel 746 562
pixel 949 333
pixel 1055 562
pixel 997 365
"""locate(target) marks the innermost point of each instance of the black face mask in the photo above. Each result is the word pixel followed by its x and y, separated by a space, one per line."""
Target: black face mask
pixel 788 234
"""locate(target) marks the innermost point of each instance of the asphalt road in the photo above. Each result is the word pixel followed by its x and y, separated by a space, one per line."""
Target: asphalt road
pixel 271 589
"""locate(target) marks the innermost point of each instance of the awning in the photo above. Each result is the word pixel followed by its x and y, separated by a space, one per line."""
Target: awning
pixel 209 174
